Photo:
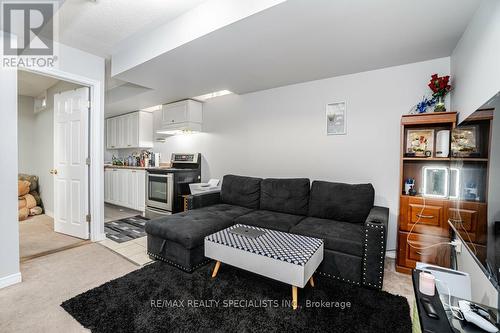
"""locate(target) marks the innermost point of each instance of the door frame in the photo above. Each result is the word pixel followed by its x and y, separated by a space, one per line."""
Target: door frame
pixel 96 146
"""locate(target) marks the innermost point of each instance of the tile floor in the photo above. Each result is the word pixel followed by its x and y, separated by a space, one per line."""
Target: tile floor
pixel 134 250
pixel 113 213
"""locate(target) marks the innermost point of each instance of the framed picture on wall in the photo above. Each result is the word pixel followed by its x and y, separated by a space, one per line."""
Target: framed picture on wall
pixel 336 118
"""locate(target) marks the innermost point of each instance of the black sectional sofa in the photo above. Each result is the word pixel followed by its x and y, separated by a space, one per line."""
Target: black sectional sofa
pixel 354 231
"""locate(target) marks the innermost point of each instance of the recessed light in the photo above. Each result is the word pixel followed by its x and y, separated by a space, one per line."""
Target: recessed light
pixel 213 95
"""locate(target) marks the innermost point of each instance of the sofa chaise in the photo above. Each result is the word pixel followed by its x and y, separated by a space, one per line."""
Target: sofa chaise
pixel 354 231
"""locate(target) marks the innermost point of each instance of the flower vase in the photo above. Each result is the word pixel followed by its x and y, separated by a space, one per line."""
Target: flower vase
pixel 440 105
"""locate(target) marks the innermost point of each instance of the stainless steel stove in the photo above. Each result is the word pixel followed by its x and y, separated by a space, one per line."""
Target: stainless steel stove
pixel 165 187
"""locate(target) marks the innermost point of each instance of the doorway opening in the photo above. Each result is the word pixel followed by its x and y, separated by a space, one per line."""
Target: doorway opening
pixel 53 132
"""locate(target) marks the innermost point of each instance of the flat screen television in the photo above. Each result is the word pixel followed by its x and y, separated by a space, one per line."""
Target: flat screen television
pixel 474 211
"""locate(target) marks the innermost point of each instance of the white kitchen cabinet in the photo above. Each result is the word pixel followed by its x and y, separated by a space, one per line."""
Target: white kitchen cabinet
pixel 122 187
pixel 107 185
pixel 133 130
pixel 132 139
pixel 125 187
pixel 122 132
pixel 141 190
pixel 157 125
pixel 111 133
pixel 180 116
pixel 113 180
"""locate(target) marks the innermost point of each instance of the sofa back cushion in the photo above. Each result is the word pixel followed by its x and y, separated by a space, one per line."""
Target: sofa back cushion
pixel 241 191
pixel 341 202
pixel 289 196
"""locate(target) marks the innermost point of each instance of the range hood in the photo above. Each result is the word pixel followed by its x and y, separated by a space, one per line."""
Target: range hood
pixel 185 128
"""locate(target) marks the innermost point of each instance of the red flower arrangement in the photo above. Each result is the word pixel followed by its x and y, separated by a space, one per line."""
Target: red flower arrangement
pixel 439 85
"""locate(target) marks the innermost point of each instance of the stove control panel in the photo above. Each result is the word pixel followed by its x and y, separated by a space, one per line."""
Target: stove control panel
pixel 184 158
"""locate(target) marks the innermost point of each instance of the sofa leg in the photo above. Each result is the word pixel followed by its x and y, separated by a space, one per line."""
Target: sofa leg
pixel 294 298
pixel 311 281
pixel 216 269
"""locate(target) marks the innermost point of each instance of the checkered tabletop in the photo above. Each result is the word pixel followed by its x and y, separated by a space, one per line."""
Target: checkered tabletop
pixel 294 249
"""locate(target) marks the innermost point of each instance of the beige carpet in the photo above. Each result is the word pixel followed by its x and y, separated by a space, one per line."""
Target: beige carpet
pixel 33 305
pixel 37 235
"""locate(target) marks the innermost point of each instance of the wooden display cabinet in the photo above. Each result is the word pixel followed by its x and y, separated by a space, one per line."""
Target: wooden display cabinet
pixel 423 229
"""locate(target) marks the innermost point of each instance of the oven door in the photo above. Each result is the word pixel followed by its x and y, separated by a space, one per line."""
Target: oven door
pixel 160 191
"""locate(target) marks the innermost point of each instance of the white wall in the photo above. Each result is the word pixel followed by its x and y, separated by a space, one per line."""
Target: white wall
pixel 9 237
pixel 79 64
pixel 281 132
pixel 27 140
pixel 475 62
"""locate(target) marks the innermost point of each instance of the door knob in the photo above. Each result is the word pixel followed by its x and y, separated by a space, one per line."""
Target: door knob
pixel 53 171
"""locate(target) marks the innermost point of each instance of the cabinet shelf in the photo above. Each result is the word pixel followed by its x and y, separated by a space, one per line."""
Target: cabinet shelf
pixel 426 159
pixel 446 159
pixel 470 159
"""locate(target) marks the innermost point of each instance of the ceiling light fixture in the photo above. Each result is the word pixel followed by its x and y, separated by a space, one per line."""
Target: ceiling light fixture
pixel 212 95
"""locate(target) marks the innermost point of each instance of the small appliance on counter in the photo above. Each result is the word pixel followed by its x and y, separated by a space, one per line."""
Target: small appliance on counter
pixel 155 160
pixel 210 187
pixel 443 143
pixel 166 186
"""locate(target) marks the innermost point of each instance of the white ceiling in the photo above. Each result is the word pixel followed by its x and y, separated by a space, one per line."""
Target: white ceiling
pixel 29 84
pixel 97 26
pixel 297 41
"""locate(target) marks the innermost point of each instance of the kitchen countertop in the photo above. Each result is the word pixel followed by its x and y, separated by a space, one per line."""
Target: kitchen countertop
pixel 110 166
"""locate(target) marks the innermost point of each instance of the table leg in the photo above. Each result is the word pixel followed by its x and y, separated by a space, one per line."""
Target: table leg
pixel 311 281
pixel 216 269
pixel 294 297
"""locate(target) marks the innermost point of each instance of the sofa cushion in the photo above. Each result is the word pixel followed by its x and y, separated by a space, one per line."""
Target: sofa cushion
pixel 341 202
pixel 285 195
pixel 190 228
pixel 270 220
pixel 337 236
pixel 241 191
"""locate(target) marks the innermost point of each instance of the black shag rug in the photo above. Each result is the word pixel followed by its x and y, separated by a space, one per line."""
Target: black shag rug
pixel 161 298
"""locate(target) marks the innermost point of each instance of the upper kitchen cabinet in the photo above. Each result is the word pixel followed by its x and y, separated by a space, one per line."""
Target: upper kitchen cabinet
pixel 133 130
pixel 183 116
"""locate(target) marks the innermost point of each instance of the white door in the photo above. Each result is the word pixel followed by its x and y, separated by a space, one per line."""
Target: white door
pixel 70 167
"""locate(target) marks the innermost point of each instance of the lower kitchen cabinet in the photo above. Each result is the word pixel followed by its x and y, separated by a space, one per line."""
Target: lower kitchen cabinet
pixel 125 187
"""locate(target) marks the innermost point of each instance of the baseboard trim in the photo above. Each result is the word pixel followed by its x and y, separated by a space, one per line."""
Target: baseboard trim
pixel 49 213
pixel 390 254
pixel 10 280
pixel 99 237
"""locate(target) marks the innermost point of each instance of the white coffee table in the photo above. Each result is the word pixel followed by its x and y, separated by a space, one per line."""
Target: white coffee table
pixel 281 256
